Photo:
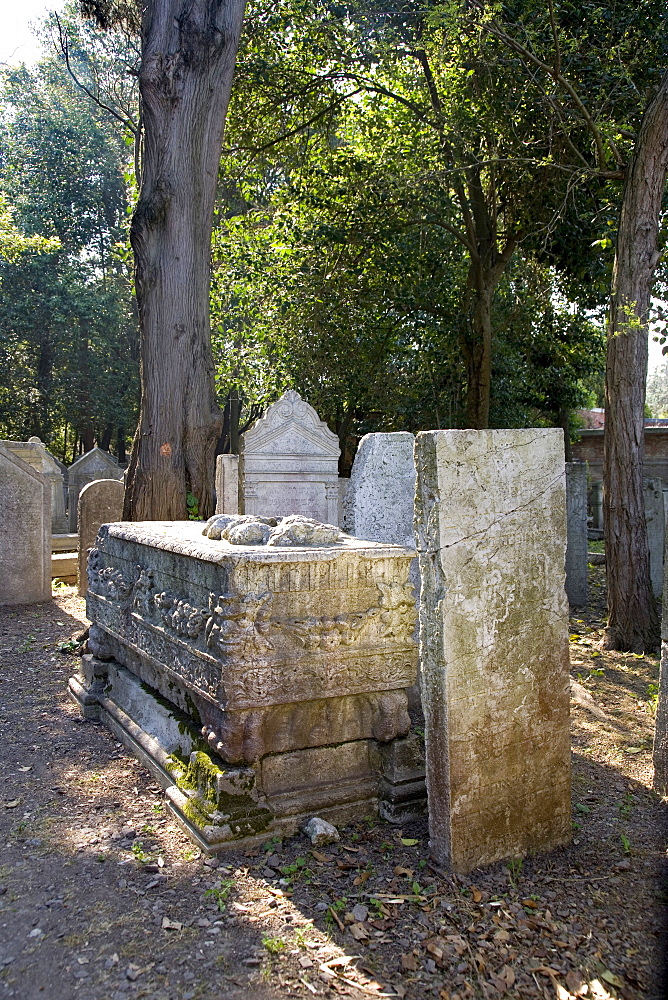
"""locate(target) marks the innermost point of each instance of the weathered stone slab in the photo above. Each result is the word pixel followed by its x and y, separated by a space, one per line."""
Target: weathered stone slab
pixel 576 529
pixel 25 532
pixel 660 754
pixel 380 498
pixel 288 463
pixel 95 464
pixel 655 519
pixel 227 484
pixel 35 454
pixel 99 503
pixel 491 525
pixel 234 638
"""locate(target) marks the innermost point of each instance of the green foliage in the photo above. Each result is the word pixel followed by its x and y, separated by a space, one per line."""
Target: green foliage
pixel 68 341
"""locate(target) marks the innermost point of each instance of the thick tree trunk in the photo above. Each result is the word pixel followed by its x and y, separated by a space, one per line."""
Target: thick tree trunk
pixel 478 357
pixel 633 619
pixel 188 53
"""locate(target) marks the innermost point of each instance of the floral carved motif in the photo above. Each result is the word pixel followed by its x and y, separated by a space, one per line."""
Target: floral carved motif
pixel 239 624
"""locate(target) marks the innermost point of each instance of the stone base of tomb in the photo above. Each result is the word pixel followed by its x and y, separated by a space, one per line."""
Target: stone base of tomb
pixel 219 805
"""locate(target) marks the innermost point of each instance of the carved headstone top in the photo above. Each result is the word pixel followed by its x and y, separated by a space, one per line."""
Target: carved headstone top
pixel 288 463
pixel 35 454
pixel 291 430
pixel 95 464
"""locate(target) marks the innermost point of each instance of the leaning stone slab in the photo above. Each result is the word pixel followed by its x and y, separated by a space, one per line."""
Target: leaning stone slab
pixel 491 525
pixel 100 502
pixel 25 532
pixel 577 558
pixel 281 666
pixel 288 463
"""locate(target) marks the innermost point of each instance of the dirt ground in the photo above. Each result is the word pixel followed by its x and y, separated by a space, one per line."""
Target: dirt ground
pixel 103 898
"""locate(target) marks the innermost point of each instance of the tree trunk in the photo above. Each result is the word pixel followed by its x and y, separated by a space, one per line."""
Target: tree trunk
pixel 633 622
pixel 478 357
pixel 188 53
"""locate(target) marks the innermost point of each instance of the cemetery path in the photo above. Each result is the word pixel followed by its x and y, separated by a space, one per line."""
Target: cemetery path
pixel 103 898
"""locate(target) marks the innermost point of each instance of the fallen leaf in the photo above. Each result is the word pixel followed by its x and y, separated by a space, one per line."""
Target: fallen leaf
pixel 599 990
pixel 476 895
pixel 362 878
pixel 322 858
pixel 409 841
pixel 633 749
pixel 611 978
pixel 359 931
pixel 171 925
pixel 24 769
pixel 409 963
pixel 399 870
pixel 13 804
pixel 575 983
pixel 530 903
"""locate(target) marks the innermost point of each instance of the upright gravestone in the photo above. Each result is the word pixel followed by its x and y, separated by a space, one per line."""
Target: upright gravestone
pixel 100 502
pixel 95 464
pixel 655 519
pixel 227 484
pixel 25 532
pixel 576 533
pixel 379 501
pixel 491 531
pixel 288 463
pixel 35 454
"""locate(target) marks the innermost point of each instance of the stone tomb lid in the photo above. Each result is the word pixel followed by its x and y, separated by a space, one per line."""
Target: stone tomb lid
pixel 185 538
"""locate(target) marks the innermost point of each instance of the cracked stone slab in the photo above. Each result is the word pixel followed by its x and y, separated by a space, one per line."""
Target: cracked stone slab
pixel 491 530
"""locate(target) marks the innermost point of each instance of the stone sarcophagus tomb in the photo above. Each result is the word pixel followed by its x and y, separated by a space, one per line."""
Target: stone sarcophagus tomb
pixel 259 668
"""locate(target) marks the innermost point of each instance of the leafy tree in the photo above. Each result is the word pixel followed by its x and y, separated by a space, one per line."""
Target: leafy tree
pixel 67 330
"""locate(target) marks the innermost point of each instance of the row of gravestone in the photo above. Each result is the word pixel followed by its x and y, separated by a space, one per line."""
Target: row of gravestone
pixel 288 464
pixel 65 483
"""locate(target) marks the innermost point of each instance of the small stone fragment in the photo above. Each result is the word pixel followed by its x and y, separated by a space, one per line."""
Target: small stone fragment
pixel 320 832
pixel 360 912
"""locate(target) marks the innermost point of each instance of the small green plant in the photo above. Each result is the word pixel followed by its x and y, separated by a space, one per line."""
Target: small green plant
pixel 26 646
pixel 67 646
pixel 599 672
pixel 514 871
pixel 337 906
pixel 653 697
pixel 142 856
pixel 300 935
pixel 298 869
pixel 273 945
pixel 147 828
pixel 422 863
pixel 219 893
pixel 192 503
pixel 270 845
pixel 378 907
pixel 626 806
pixel 190 854
pixel 626 843
pixel 158 808
pixel 386 847
pixel 370 821
pixel 582 808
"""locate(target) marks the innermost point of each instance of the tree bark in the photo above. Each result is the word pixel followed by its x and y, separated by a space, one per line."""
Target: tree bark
pixel 188 53
pixel 478 358
pixel 633 622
